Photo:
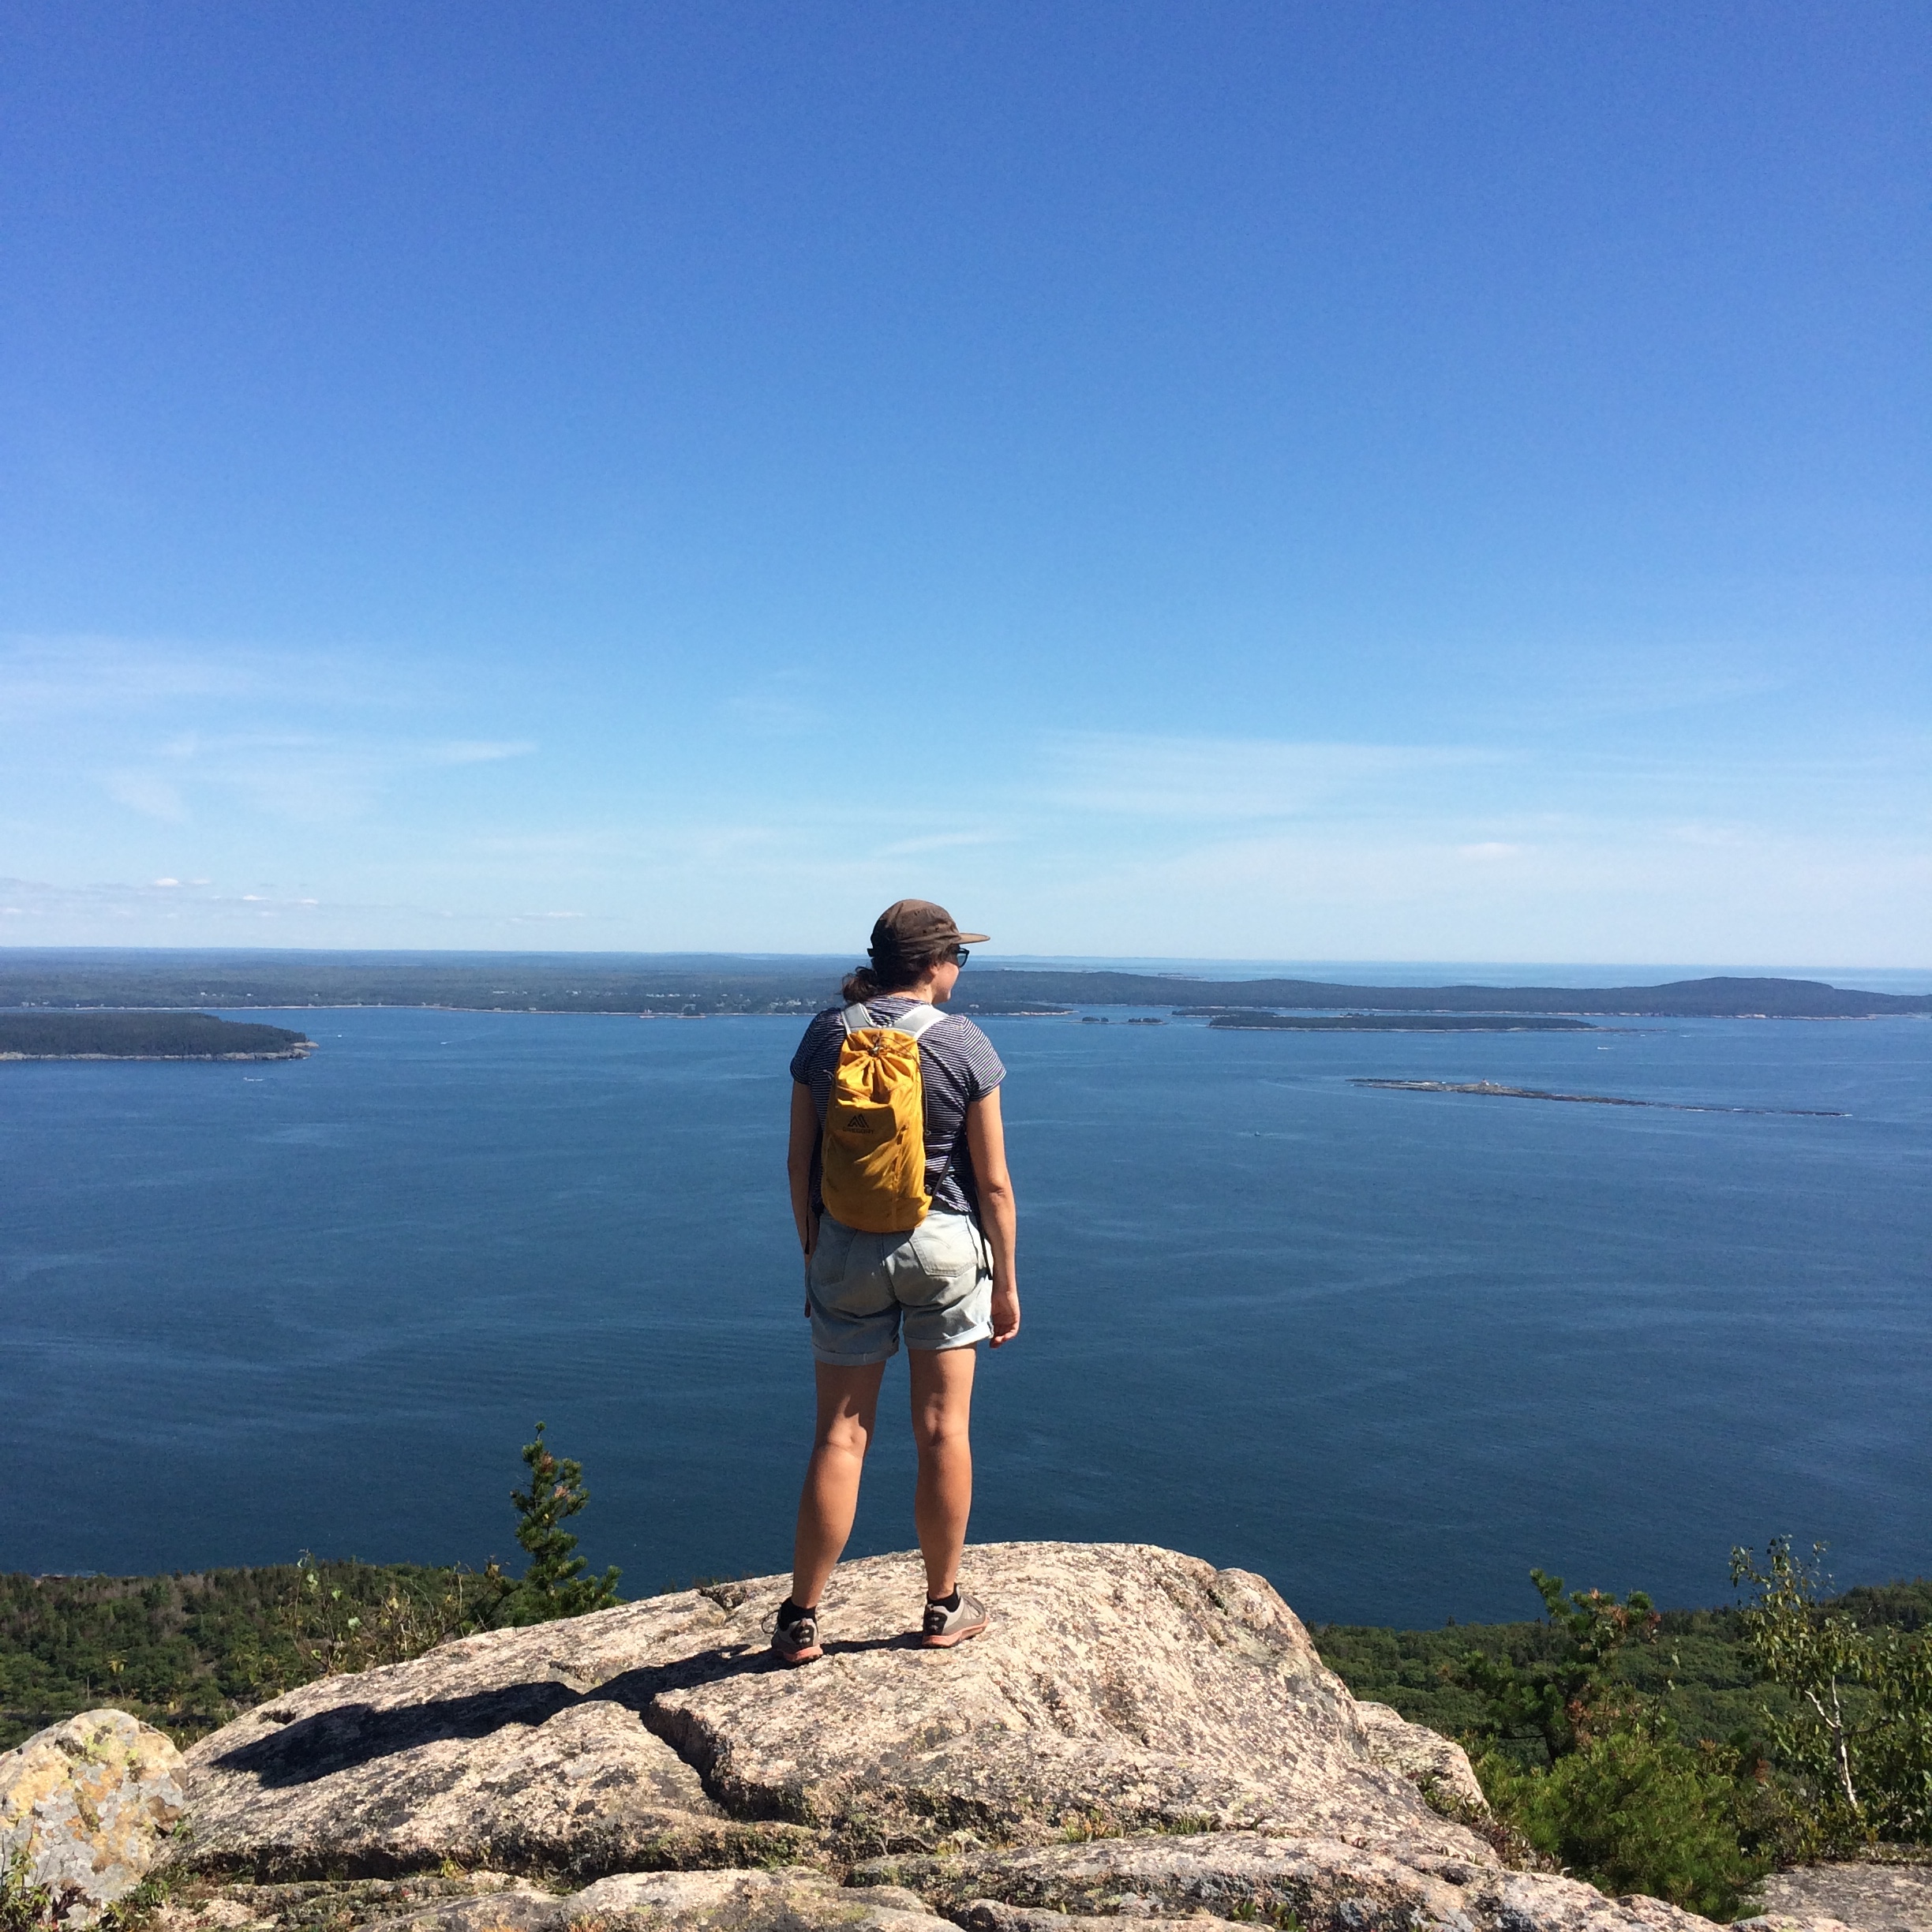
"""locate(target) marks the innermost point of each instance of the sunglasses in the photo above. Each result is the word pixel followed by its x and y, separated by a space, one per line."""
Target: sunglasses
pixel 961 956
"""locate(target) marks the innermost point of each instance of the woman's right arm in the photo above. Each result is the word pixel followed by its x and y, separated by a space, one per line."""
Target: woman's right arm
pixel 999 1215
pixel 804 1143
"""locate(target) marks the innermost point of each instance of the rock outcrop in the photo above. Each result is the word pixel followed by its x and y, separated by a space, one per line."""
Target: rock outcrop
pixel 1121 1688
pixel 1869 1895
pixel 1137 1734
pixel 1316 1882
pixel 84 1805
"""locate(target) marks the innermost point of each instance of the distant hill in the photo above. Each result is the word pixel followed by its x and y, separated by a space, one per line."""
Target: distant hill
pixel 693 984
pixel 144 1036
pixel 1714 998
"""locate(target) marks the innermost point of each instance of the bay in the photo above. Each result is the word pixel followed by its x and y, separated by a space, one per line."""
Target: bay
pixel 1390 1348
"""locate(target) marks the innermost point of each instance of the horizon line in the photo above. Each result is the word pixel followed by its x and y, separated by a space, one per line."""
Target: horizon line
pixel 1075 961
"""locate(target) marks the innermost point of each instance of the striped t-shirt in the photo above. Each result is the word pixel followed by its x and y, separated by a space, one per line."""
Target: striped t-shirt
pixel 957 1065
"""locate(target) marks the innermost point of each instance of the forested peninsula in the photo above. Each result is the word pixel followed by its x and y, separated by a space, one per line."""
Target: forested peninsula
pixel 696 985
pixel 85 1035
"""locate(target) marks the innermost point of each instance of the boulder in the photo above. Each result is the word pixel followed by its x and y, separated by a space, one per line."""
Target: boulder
pixel 1138 1734
pixel 484 1753
pixel 1437 1766
pixel 205 1904
pixel 1325 1885
pixel 1120 1685
pixel 83 1806
pixel 790 1899
pixel 1871 1895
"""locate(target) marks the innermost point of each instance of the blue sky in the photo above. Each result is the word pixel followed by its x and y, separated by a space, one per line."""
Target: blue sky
pixel 1366 481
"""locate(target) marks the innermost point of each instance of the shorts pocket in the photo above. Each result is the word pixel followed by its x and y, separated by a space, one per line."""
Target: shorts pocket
pixel 831 1253
pixel 946 1247
pixel 849 1279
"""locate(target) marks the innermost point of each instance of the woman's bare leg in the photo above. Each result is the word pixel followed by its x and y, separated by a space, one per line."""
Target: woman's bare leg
pixel 942 1380
pixel 848 1403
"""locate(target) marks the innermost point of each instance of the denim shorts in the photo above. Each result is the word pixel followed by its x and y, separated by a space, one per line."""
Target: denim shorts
pixel 936 1282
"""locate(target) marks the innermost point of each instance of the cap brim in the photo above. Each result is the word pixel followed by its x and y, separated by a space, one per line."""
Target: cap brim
pixel 973 938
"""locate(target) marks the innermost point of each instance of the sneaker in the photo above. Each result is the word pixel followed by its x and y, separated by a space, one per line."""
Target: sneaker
pixel 795 1638
pixel 945 1628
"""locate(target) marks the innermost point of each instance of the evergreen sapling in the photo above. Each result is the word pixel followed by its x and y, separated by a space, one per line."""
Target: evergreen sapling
pixel 554 1585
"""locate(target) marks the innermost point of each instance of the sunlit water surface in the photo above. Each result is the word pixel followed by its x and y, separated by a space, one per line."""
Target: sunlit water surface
pixel 1390 1348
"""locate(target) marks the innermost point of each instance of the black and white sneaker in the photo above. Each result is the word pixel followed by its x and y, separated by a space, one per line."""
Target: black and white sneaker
pixel 946 1628
pixel 794 1636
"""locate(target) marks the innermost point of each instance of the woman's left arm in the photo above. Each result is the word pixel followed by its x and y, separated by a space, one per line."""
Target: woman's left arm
pixel 999 1215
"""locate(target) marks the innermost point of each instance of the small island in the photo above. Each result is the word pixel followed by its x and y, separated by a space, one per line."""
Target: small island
pixel 1400 1022
pixel 112 1036
pixel 1494 1090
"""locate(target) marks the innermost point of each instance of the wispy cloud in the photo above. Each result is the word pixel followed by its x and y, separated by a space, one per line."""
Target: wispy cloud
pixel 1198 778
pixel 313 777
pixel 943 841
pixel 475 750
pixel 783 704
pixel 43 677
pixel 143 792
pixel 177 732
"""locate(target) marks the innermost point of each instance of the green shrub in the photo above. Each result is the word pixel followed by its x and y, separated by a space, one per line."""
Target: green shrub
pixel 1631 1811
pixel 334 1627
pixel 1585 1767
pixel 1856 1738
pixel 24 1907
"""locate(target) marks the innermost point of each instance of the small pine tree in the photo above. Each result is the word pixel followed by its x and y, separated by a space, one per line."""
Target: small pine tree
pixel 1563 1704
pixel 554 1586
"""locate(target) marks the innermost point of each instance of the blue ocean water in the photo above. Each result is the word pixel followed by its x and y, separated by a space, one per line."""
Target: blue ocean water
pixel 1390 1348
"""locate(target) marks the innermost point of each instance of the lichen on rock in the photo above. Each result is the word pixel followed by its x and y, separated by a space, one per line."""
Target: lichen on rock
pixel 84 1806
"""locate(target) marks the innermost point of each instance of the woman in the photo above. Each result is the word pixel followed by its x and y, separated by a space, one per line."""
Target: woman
pixel 949 1283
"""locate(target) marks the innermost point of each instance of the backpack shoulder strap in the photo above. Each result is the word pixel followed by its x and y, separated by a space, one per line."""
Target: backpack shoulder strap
pixel 918 1018
pixel 855 1015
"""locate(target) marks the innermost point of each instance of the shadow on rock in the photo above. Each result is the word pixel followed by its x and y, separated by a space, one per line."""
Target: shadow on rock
pixel 345 1736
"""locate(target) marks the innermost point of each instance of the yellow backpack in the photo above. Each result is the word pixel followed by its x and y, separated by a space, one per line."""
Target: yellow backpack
pixel 873 1176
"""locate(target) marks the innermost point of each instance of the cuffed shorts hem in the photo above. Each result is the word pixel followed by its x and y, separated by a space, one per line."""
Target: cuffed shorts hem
pixel 933 1285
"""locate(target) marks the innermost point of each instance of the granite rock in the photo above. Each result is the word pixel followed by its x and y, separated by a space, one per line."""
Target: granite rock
pixel 793 1899
pixel 1869 1895
pixel 84 1808
pixel 1137 1734
pixel 1436 1765
pixel 1120 1685
pixel 1327 1884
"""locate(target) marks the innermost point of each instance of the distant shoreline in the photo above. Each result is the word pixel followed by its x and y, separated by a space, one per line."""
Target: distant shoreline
pixel 291 1053
pixel 564 983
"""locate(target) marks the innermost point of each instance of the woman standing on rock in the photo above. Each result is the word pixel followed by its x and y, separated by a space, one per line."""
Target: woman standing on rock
pixel 896 1120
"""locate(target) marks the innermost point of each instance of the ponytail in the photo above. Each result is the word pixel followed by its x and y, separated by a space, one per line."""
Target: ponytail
pixel 891 972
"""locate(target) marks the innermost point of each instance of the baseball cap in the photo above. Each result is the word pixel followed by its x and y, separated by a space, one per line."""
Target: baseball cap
pixel 917 926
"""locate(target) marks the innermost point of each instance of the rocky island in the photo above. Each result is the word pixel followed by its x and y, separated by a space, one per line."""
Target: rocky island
pixel 1399 1023
pixel 1139 1736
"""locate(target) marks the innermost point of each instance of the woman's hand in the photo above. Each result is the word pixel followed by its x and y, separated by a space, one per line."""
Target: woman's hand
pixel 1005 1313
